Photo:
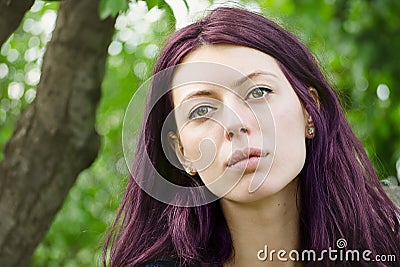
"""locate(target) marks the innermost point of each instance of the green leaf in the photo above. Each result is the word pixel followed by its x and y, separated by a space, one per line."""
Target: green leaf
pixel 169 13
pixel 111 8
pixel 152 3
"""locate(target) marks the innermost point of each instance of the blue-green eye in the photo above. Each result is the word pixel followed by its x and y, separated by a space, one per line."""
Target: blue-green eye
pixel 258 92
pixel 200 112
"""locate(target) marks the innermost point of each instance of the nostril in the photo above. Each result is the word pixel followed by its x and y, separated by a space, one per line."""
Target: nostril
pixel 230 134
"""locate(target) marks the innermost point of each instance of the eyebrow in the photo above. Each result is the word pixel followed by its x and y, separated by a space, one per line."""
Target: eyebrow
pixel 197 94
pixel 252 75
pixel 239 82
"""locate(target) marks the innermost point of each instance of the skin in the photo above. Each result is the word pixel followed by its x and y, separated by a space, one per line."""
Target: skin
pixel 259 204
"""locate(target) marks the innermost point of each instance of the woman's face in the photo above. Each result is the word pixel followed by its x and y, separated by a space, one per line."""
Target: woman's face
pixel 241 126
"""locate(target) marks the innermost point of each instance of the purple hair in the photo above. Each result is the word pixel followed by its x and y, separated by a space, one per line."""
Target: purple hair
pixel 341 196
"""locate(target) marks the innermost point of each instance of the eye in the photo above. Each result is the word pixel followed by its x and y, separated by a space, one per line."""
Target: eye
pixel 200 112
pixel 258 92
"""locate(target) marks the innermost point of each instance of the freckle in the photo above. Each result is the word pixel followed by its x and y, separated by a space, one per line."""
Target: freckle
pixel 279 204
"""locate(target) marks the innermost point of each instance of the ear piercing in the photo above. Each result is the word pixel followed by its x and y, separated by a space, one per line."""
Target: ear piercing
pixel 190 171
pixel 311 128
pixel 187 169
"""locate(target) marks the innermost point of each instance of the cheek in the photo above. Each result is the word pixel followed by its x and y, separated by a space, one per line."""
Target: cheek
pixel 291 118
pixel 290 139
pixel 190 143
pixel 201 145
pixel 290 135
pixel 290 125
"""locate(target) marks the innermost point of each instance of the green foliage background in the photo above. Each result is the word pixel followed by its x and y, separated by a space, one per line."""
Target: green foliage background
pixel 356 43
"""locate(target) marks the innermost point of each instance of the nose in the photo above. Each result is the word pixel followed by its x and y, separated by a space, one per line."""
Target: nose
pixel 231 133
pixel 238 119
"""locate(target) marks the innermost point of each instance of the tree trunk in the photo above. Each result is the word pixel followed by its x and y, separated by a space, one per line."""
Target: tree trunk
pixel 54 139
pixel 11 14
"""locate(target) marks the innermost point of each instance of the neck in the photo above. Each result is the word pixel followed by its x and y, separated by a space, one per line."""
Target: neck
pixel 268 224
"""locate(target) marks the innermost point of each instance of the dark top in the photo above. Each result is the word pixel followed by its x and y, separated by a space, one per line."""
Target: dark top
pixel 165 263
pixel 162 263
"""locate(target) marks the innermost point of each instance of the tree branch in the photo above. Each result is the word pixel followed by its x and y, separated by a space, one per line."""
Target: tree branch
pixel 55 137
pixel 11 14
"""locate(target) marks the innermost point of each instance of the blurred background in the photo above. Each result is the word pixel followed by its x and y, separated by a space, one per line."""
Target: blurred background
pixel 356 43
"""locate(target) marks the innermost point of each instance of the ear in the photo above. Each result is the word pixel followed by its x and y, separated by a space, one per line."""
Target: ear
pixel 314 93
pixel 310 127
pixel 176 146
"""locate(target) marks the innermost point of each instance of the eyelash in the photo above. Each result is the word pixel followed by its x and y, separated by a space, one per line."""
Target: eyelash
pixel 192 114
pixel 264 89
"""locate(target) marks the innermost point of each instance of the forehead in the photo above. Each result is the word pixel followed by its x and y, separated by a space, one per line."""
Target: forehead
pixel 221 65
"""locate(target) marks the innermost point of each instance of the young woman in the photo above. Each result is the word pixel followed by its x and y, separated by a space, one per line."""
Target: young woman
pixel 261 154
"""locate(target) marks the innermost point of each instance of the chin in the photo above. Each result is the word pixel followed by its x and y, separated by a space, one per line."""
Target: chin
pixel 269 188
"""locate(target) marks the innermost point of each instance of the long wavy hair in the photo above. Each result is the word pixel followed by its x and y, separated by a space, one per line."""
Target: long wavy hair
pixel 341 196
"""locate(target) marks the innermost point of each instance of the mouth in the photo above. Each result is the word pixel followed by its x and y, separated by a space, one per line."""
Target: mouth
pixel 246 159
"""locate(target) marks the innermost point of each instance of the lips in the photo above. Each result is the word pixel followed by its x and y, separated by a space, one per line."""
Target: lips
pixel 244 156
